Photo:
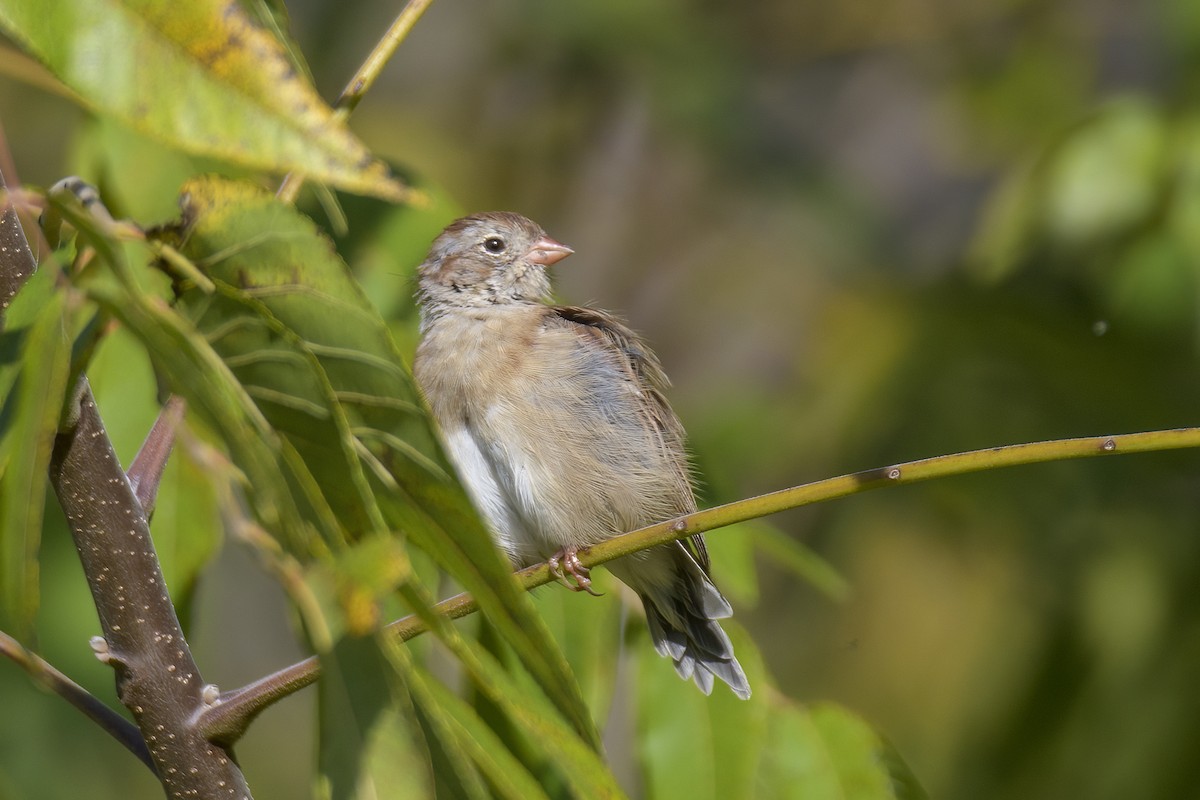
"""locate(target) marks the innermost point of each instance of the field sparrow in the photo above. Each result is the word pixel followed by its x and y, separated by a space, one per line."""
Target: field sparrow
pixel 556 421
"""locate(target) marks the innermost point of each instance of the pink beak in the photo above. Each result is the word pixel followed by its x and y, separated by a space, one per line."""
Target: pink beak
pixel 546 251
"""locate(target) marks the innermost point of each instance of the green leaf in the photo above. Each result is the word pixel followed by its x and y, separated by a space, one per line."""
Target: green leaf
pixel 356 579
pixel 301 337
pixel 122 382
pixel 1153 286
pixel 200 76
pixel 138 176
pixel 39 325
pixel 739 726
pixel 1183 212
pixel 694 747
pixel 1008 226
pixel 574 756
pixel 588 629
pixel 187 521
pixel 370 746
pixel 1105 177
pixel 273 16
pixel 829 753
pixel 192 370
pixel 464 736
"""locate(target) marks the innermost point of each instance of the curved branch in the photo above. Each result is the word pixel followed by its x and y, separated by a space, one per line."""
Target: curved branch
pixel 227 719
pixel 48 676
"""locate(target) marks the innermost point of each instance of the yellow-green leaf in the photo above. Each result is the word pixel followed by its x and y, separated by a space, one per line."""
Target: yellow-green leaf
pixel 201 76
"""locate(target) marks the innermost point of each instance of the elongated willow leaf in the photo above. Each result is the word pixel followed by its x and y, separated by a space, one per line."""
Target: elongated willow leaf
pixel 371 745
pixel 579 766
pixel 286 500
pixel 35 354
pixel 720 737
pixel 468 750
pixel 200 76
pixel 829 753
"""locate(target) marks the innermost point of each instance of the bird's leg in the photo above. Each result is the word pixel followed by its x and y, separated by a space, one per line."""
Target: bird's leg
pixel 566 562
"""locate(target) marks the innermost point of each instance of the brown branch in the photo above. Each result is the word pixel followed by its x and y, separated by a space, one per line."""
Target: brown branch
pixel 228 718
pixel 16 260
pixel 146 471
pixel 45 674
pixel 157 678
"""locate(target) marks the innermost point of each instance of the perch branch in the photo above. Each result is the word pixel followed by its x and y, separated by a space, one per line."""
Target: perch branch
pixel 227 719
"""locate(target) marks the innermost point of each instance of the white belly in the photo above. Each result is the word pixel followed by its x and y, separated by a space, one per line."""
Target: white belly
pixel 480 479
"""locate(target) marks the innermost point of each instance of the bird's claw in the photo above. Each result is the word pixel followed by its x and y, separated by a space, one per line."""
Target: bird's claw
pixel 566 562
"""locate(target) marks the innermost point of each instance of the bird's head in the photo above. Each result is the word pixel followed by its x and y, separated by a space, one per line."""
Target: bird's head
pixel 486 259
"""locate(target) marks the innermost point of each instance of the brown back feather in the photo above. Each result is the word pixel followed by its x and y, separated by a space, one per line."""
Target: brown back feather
pixel 652 381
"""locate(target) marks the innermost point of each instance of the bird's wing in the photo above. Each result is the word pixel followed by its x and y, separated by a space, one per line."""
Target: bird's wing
pixel 645 376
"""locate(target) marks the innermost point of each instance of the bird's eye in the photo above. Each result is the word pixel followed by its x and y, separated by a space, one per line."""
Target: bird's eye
pixel 493 244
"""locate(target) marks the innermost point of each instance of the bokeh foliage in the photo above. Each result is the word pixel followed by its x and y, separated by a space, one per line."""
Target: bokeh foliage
pixel 307 442
pixel 856 234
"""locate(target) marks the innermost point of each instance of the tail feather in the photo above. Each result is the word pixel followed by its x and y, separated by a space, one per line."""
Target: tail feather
pixel 682 608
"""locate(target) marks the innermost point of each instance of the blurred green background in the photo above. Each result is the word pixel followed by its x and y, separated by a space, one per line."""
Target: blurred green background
pixel 856 234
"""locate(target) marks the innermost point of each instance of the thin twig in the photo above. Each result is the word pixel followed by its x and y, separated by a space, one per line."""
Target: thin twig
pixel 17 264
pixel 363 79
pixel 46 675
pixel 378 57
pixel 146 471
pixel 226 720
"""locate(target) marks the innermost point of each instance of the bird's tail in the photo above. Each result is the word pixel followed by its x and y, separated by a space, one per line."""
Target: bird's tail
pixel 682 608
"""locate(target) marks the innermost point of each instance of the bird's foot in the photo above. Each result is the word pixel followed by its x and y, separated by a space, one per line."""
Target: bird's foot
pixel 566 562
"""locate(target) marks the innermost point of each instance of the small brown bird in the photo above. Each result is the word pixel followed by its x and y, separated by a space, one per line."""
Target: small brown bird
pixel 556 421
